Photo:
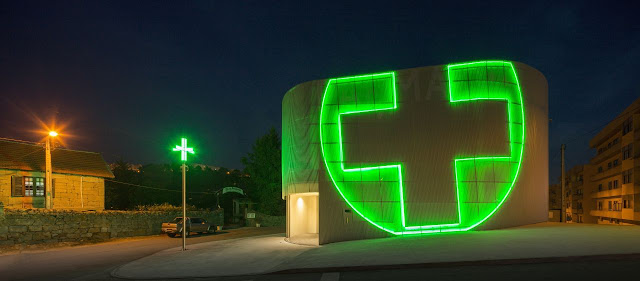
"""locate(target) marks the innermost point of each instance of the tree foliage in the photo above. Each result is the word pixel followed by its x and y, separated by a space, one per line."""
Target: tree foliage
pixel 263 164
pixel 158 184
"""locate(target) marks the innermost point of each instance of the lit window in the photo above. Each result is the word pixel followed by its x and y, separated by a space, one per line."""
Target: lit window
pixel 39 186
pixel 33 187
pixel 28 186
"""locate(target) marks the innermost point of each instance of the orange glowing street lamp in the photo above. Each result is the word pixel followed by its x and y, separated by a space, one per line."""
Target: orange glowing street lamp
pixel 48 180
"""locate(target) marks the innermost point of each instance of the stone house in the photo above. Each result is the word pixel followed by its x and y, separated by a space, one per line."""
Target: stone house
pixel 77 177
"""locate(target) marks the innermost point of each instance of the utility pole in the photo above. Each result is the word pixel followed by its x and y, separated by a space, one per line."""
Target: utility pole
pixel 47 171
pixel 184 205
pixel 563 208
pixel 183 156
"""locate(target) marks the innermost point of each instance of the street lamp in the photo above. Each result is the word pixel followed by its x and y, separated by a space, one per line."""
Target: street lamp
pixel 49 182
pixel 183 156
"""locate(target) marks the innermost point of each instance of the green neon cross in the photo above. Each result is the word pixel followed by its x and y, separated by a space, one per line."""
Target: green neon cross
pixel 478 81
pixel 183 150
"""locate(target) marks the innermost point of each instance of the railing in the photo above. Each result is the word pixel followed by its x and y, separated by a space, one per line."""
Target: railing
pixel 607 193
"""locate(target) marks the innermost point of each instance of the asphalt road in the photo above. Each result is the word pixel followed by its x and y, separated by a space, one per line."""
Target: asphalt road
pixel 96 261
pixel 574 270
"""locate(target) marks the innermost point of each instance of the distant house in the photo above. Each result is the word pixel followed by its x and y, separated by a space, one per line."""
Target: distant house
pixel 77 177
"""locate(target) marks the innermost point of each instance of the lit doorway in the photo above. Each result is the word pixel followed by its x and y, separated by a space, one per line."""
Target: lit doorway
pixel 303 218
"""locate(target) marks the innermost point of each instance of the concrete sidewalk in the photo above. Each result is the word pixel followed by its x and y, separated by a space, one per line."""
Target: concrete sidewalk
pixel 267 254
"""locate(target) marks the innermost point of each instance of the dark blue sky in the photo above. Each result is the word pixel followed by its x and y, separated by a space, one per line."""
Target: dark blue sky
pixel 131 76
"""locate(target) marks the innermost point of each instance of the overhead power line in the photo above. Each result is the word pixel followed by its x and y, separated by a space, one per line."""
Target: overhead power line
pixel 156 188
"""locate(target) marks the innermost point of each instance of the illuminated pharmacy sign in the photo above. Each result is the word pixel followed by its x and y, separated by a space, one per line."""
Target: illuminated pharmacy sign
pixel 183 149
pixel 477 82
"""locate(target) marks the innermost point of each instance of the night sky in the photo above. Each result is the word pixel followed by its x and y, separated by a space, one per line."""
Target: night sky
pixel 128 78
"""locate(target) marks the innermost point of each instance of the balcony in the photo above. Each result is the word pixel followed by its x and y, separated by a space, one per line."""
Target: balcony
pixel 607 193
pixel 611 151
pixel 606 214
pixel 630 188
pixel 607 173
pixel 629 214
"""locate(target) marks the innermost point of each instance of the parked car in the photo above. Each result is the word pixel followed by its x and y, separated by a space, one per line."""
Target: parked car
pixel 198 225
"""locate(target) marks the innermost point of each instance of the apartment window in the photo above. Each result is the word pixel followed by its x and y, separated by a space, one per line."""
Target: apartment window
pixel 609 165
pixel 600 187
pixel 627 176
pixel 615 184
pixel 616 140
pixel 616 162
pixel 610 206
pixel 600 169
pixel 617 206
pixel 627 151
pixel 610 185
pixel 626 204
pixel 599 205
pixel 627 126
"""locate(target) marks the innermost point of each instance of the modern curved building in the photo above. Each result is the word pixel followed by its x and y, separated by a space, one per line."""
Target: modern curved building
pixel 418 151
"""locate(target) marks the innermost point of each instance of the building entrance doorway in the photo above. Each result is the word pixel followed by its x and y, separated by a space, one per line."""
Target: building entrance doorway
pixel 302 209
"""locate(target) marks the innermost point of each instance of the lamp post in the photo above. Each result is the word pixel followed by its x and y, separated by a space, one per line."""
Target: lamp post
pixel 48 181
pixel 183 157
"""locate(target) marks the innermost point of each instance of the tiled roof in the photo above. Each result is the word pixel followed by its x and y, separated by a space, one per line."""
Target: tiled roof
pixel 16 155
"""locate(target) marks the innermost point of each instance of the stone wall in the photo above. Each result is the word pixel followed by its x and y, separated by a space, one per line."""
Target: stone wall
pixel 20 228
pixel 266 220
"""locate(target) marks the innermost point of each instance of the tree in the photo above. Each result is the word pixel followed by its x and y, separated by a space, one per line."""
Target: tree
pixel 119 196
pixel 265 177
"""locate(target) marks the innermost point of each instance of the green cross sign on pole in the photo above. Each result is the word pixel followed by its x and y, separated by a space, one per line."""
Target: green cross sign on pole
pixel 183 156
pixel 183 150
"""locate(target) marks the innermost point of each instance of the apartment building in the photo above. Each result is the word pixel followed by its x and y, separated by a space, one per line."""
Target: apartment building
pixel 577 194
pixel 555 202
pixel 615 197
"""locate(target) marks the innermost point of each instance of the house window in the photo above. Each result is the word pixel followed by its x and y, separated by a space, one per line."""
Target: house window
pixel 627 126
pixel 28 186
pixel 39 186
pixel 32 187
pixel 627 176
